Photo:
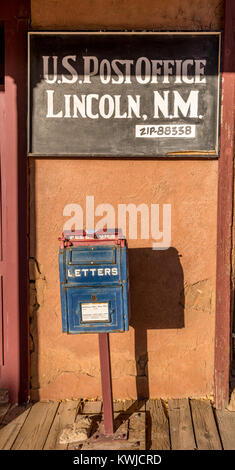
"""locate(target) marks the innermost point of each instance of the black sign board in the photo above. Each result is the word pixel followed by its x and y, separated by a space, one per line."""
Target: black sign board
pixel 124 94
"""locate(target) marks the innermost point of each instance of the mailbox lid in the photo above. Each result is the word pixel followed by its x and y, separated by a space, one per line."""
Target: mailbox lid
pixel 95 310
pixel 93 265
pixel 91 255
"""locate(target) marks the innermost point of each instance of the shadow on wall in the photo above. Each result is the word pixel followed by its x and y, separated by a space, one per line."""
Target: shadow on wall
pixel 157 301
pixel 156 298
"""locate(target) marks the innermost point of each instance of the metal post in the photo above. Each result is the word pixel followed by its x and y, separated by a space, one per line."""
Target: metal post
pixel 106 382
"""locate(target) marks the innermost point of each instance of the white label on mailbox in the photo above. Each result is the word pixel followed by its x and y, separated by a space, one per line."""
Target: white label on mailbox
pixel 92 312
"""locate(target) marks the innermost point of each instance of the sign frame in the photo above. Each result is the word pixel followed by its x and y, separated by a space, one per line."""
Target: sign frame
pixel 214 154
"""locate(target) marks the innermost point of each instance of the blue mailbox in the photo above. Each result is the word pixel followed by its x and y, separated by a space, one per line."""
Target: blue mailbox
pixel 93 282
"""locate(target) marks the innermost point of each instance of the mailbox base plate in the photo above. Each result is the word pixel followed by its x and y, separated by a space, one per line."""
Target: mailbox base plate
pixel 120 434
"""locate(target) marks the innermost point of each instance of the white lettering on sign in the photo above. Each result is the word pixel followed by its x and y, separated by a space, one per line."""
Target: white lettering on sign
pixel 187 108
pixel 95 312
pixel 119 71
pixel 84 106
pixel 89 91
pixel 84 272
pixel 108 106
pixel 143 71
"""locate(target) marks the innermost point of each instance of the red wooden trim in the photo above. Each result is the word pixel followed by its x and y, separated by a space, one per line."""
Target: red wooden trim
pixel 224 221
pixel 10 373
pixel 14 8
pixel 13 268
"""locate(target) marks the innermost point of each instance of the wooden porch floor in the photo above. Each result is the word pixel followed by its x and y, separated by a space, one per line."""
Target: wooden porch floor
pixel 179 424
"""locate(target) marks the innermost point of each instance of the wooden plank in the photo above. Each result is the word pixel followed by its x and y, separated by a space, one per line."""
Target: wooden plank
pixel 66 415
pixel 87 444
pixel 119 418
pixel 181 428
pixel 107 445
pixel 34 432
pixel 111 445
pixel 4 395
pixel 137 430
pixel 12 424
pixel 118 406
pixel 134 406
pixel 128 405
pixel 206 433
pixel 3 410
pixel 14 412
pixel 136 434
pixel 101 444
pixel 91 407
pixel 157 426
pixel 226 424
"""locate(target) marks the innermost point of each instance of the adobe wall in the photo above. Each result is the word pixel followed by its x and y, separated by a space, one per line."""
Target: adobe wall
pixel 169 349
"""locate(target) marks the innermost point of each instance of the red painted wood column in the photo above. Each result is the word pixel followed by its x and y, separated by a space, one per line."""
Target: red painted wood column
pixel 13 261
pixel 224 221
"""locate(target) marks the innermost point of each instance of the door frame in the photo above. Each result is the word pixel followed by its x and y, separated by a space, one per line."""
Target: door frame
pixel 224 296
pixel 14 15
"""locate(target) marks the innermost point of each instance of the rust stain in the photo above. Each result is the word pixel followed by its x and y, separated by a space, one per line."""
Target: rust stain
pixel 212 152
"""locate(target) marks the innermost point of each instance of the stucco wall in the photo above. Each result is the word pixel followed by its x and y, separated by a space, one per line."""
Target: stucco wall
pixel 127 14
pixel 169 350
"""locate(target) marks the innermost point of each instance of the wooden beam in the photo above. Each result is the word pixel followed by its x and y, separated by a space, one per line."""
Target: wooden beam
pixel 159 426
pixel 34 432
pixel 206 433
pixel 12 424
pixel 65 416
pixel 181 428
pixel 224 217
pixel 13 263
pixel 226 424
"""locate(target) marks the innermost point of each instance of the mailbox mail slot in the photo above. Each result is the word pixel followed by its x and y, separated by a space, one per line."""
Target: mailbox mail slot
pixel 93 284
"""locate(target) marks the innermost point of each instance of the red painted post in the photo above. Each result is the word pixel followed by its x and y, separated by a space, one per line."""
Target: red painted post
pixel 106 382
pixel 13 264
pixel 10 373
pixel 224 221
